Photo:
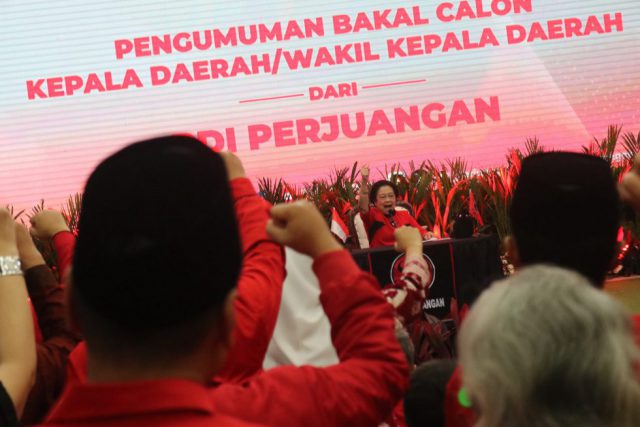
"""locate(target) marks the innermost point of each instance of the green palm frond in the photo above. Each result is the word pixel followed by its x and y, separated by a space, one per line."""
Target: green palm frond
pixel 606 147
pixel 37 208
pixel 277 191
pixel 71 211
pixel 631 145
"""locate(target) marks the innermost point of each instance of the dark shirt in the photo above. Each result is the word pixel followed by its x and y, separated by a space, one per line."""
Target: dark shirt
pixel 48 300
pixel 7 410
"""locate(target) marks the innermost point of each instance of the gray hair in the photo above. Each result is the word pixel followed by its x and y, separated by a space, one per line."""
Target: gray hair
pixel 545 349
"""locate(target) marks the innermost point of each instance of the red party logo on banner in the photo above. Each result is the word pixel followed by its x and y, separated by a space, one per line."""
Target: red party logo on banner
pixel 397 267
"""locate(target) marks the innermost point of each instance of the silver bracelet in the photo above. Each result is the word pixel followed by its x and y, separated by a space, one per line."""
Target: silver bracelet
pixel 10 266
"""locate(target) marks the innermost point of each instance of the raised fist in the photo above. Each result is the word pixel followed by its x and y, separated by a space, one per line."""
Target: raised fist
pixel 300 226
pixel 47 223
pixel 233 164
pixel 408 239
pixel 364 171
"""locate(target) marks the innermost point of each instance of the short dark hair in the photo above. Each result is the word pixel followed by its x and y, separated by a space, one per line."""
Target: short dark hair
pixel 565 211
pixel 375 188
pixel 424 402
pixel 158 248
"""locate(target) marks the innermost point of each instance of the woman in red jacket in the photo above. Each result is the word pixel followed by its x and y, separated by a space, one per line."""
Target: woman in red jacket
pixel 379 213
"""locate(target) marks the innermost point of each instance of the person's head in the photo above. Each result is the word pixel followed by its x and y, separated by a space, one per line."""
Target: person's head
pixel 565 212
pixel 157 254
pixel 545 348
pixel 384 195
pixel 424 402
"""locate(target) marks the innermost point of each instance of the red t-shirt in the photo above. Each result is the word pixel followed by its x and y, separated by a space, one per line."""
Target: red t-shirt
pixel 381 228
pixel 360 391
pixel 162 403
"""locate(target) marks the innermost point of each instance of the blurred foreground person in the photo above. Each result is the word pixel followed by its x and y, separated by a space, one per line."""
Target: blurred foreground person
pixel 565 211
pixel 17 339
pixel 157 259
pixel 545 349
pixel 303 334
pixel 49 302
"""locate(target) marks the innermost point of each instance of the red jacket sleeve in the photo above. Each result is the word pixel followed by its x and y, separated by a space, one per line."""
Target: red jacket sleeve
pixel 361 390
pixel 64 243
pixel 408 294
pixel 58 341
pixel 259 287
pixel 77 372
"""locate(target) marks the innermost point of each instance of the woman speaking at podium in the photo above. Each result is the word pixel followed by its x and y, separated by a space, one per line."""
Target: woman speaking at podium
pixel 379 212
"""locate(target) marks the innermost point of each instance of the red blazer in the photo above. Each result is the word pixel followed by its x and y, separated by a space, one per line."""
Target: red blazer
pixel 380 228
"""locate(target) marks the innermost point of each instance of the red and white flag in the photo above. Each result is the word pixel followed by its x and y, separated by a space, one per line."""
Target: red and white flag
pixel 338 227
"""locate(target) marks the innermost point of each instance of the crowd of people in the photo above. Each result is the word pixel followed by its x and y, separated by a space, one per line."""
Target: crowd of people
pixel 187 300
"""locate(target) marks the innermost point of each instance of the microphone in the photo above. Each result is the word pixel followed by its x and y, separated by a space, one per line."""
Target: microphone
pixel 390 215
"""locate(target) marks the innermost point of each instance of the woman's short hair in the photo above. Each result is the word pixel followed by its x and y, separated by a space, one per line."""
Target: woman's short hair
pixel 375 188
pixel 544 348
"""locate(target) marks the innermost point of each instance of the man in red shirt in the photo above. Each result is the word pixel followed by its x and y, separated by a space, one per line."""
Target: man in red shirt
pixel 257 300
pixel 157 258
pixel 382 219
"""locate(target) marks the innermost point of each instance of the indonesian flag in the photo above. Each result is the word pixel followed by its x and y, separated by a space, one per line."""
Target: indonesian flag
pixel 338 227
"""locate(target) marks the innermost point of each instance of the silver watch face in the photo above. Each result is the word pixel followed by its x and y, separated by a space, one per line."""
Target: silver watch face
pixel 10 266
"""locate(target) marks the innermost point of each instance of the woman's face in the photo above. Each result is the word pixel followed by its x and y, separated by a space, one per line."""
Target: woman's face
pixel 385 199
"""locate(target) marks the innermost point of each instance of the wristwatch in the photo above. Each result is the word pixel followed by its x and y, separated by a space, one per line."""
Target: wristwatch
pixel 10 266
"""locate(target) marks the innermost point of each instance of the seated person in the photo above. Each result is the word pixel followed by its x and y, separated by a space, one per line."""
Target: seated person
pixel 545 348
pixel 382 218
pixel 157 259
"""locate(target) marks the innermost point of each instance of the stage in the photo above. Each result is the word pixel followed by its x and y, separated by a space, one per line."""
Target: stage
pixel 626 290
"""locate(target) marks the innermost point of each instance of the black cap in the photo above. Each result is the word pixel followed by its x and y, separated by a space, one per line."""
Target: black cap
pixel 158 242
pixel 565 211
